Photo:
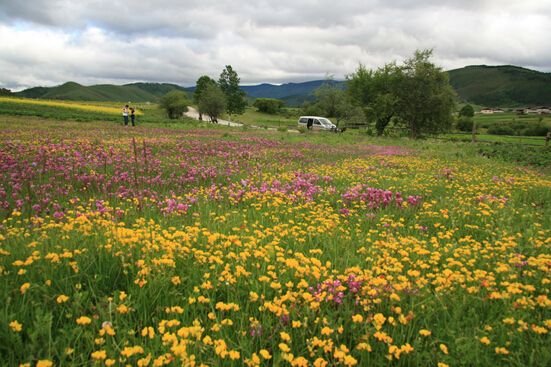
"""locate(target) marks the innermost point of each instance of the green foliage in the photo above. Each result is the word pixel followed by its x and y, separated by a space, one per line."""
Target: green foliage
pixel 200 87
pixel 212 101
pixel 229 83
pixel 501 130
pixel 467 111
pixel 464 123
pixel 537 156
pixel 426 99
pixel 175 103
pixel 302 129
pixel 269 105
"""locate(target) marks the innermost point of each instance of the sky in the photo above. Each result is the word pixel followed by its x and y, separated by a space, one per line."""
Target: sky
pixel 50 42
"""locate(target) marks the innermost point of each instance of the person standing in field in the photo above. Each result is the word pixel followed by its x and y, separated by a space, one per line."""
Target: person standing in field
pixel 132 115
pixel 125 115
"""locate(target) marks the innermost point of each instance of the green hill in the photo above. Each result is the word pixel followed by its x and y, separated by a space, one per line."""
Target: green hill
pixel 137 92
pixel 490 86
pixel 502 86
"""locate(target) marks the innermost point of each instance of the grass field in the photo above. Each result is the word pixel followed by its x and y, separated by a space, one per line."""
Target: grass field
pixel 222 247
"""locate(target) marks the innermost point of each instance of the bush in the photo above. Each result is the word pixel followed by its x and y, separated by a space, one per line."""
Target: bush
pixel 302 129
pixel 538 130
pixel 282 129
pixel 501 130
pixel 464 123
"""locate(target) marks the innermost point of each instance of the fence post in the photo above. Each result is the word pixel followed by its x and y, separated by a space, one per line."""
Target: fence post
pixel 547 139
pixel 474 132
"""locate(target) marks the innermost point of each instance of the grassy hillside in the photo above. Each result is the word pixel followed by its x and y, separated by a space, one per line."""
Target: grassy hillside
pixel 135 93
pixel 498 86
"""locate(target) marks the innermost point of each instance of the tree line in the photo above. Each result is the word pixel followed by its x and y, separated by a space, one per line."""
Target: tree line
pixel 415 95
pixel 212 98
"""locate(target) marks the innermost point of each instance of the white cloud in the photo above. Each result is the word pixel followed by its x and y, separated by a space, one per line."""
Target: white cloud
pixel 49 42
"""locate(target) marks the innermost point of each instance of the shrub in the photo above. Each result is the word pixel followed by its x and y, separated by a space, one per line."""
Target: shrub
pixel 282 129
pixel 302 129
pixel 501 130
pixel 464 123
pixel 537 130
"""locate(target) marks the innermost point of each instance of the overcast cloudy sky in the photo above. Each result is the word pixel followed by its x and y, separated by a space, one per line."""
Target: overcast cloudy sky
pixel 50 42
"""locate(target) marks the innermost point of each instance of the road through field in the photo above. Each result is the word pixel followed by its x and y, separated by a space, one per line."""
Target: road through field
pixel 193 113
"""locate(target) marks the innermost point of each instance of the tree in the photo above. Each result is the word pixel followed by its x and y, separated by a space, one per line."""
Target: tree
pixel 213 101
pixel 5 92
pixel 200 87
pixel 426 99
pixel 175 103
pixel 375 93
pixel 329 97
pixel 467 111
pixel 268 105
pixel 229 83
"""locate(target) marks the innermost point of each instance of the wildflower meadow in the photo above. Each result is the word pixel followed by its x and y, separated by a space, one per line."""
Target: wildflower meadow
pixel 212 247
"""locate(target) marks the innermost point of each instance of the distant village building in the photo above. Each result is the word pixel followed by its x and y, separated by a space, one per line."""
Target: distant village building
pixel 533 111
pixel 486 110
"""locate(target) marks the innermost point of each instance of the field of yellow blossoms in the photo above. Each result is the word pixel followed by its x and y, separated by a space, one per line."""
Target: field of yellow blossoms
pixel 152 247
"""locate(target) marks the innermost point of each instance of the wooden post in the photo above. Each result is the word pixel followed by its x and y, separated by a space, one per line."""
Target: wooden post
pixel 547 139
pixel 474 132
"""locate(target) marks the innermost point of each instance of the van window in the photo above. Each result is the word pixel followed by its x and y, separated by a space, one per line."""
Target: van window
pixel 317 122
pixel 303 120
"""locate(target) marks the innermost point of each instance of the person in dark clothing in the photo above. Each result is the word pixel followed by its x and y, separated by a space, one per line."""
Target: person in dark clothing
pixel 132 116
pixel 309 124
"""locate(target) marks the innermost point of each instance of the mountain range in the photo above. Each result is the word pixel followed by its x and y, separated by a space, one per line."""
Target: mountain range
pixel 491 86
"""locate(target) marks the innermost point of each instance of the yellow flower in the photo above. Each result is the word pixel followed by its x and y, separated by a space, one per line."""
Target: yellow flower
pixel 123 309
pixel 425 332
pixel 320 362
pixel 485 340
pixel 326 331
pixel 440 364
pixel 285 337
pixel 44 363
pixel 284 347
pixel 62 299
pixel 357 318
pixel 234 354
pixel 444 348
pixel 501 351
pixel 100 354
pixel 24 288
pixel 83 320
pixel 110 362
pixel 265 354
pixel 15 326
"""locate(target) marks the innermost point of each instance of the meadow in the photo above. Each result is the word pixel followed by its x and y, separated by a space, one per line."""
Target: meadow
pixel 219 247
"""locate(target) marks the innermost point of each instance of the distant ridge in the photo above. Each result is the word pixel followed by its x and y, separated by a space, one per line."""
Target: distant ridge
pixel 490 86
pixel 136 92
pixel 502 86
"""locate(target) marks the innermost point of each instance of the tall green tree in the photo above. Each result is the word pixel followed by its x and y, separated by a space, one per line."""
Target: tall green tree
pixel 200 87
pixel 426 99
pixel 175 103
pixel 375 93
pixel 235 96
pixel 212 102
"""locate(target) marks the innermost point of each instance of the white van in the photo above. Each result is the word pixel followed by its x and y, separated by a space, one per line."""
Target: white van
pixel 317 123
